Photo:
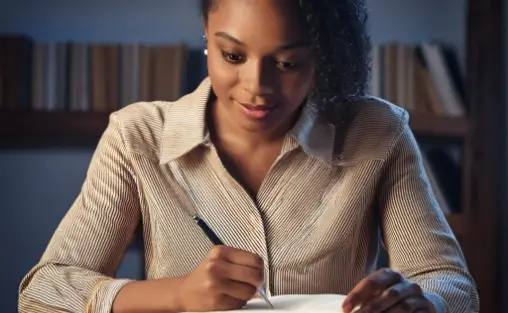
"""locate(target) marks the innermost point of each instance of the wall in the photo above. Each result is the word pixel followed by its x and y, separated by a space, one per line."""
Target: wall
pixel 38 186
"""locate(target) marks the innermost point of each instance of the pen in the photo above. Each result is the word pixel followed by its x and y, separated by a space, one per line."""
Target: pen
pixel 208 231
pixel 216 241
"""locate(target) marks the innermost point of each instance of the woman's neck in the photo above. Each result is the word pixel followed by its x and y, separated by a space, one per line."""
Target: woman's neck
pixel 224 130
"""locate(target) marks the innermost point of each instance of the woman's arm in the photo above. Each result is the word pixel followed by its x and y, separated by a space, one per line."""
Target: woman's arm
pixel 418 239
pixel 76 271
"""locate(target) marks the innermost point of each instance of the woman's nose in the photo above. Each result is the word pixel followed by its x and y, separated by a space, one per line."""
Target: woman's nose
pixel 258 78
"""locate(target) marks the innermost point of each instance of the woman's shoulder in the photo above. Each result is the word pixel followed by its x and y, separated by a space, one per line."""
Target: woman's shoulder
pixel 373 128
pixel 370 111
pixel 141 125
pixel 163 129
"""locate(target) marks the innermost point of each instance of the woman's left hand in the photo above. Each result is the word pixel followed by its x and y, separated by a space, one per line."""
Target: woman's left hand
pixel 386 291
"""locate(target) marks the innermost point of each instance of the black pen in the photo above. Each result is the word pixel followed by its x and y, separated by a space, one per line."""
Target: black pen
pixel 208 232
pixel 216 241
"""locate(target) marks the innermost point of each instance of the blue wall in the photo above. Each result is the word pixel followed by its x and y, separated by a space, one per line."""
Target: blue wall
pixel 38 186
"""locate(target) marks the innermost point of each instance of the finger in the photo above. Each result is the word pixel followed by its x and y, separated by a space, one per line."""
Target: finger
pixel 219 270
pixel 244 274
pixel 369 287
pixel 392 296
pixel 238 290
pixel 225 303
pixel 219 299
pixel 236 256
pixel 410 305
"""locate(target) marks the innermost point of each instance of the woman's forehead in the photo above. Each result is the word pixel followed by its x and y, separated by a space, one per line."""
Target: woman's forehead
pixel 248 20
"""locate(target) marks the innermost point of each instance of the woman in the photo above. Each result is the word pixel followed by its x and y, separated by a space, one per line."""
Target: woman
pixel 286 160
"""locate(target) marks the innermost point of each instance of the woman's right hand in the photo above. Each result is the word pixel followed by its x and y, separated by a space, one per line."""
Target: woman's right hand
pixel 225 280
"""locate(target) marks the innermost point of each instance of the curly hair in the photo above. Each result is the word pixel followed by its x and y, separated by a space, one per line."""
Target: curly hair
pixel 338 34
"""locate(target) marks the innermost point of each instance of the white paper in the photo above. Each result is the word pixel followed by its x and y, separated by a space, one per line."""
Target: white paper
pixel 323 303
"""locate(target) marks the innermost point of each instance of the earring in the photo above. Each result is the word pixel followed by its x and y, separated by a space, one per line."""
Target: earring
pixel 206 45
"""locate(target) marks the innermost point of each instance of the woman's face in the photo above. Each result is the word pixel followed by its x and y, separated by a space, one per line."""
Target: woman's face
pixel 259 61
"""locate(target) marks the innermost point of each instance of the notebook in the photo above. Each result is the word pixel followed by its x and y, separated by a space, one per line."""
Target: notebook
pixel 322 303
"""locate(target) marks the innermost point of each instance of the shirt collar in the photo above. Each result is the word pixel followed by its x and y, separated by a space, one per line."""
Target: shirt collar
pixel 185 128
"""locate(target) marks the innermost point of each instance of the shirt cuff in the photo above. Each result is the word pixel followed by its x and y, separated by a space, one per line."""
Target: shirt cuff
pixel 102 299
pixel 438 302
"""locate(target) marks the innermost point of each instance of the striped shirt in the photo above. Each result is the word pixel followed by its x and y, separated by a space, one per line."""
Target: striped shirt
pixel 322 209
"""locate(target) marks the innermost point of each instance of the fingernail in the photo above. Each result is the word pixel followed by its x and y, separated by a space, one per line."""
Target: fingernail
pixel 346 306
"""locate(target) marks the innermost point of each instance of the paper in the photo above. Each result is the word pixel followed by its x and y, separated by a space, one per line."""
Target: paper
pixel 323 303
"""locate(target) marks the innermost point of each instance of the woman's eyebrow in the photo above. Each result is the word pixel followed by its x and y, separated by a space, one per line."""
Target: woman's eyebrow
pixel 288 46
pixel 229 38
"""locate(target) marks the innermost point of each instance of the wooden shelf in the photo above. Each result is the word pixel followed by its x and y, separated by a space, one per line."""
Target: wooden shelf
pixel 43 128
pixel 438 126
pixel 28 128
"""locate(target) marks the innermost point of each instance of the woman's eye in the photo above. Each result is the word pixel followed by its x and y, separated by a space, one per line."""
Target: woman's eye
pixel 286 66
pixel 232 58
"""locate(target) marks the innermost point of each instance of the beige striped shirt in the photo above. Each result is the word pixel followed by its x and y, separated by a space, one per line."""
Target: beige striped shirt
pixel 317 221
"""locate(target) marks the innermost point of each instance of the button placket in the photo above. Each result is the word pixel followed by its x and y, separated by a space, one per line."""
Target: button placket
pixel 253 220
pixel 257 224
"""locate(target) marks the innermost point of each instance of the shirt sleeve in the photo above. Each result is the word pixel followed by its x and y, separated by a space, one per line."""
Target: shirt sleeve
pixel 416 235
pixel 75 274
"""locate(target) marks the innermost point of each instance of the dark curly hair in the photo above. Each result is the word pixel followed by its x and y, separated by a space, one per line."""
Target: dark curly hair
pixel 341 45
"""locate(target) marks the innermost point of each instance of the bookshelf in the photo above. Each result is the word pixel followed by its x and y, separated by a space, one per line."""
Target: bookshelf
pixel 48 128
pixel 439 126
pixel 480 134
pixel 27 127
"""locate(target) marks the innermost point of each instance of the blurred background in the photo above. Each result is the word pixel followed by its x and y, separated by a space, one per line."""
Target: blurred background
pixel 65 65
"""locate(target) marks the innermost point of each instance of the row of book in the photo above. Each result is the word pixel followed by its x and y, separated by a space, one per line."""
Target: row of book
pixel 425 78
pixel 93 77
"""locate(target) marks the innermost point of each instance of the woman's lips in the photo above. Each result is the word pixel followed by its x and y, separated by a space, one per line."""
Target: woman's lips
pixel 257 111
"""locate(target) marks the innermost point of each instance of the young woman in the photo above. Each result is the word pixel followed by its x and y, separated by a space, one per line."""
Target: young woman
pixel 282 155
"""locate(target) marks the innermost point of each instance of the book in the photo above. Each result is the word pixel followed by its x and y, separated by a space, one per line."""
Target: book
pixel 319 303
